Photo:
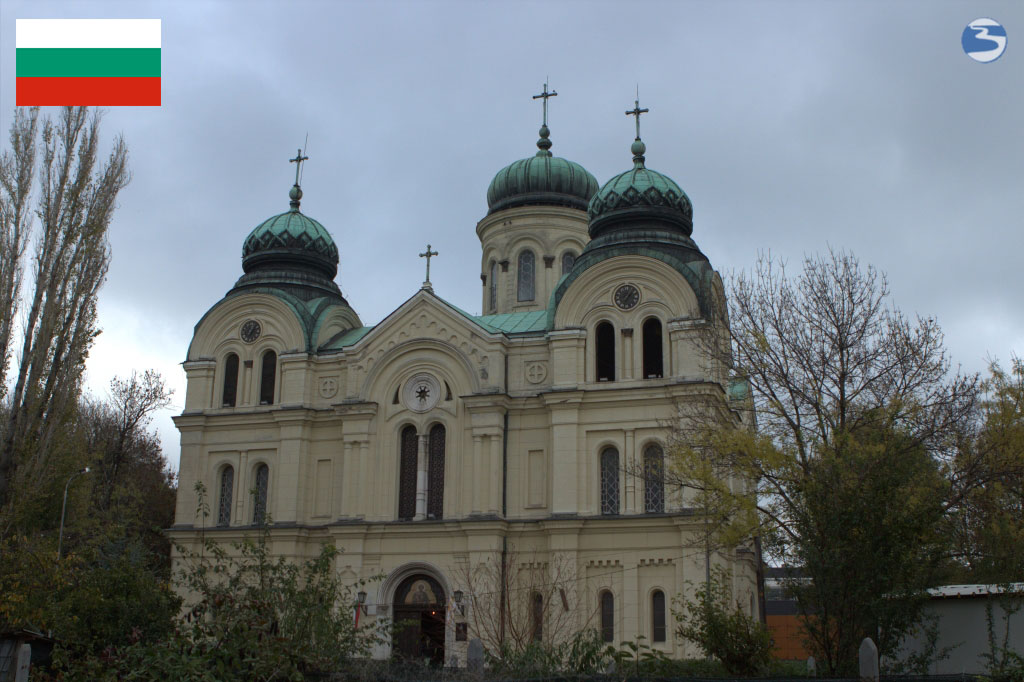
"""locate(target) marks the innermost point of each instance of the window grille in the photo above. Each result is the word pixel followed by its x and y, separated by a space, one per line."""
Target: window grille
pixel 607 617
pixel 227 482
pixel 526 276
pixel 407 474
pixel 435 474
pixel 610 481
pixel 654 479
pixel 259 512
pixel 493 288
pixel 568 260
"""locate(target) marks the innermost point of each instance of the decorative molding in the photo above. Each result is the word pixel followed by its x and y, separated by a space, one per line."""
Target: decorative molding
pixel 549 261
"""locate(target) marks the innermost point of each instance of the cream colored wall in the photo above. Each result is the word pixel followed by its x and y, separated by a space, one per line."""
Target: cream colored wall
pixel 549 231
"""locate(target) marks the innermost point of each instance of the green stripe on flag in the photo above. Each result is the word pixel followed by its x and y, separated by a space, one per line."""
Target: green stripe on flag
pixel 84 62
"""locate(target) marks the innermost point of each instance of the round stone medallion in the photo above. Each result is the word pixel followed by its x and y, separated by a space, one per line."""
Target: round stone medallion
pixel 422 392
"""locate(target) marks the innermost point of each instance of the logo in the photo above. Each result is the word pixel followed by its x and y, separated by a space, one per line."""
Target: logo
pixel 984 40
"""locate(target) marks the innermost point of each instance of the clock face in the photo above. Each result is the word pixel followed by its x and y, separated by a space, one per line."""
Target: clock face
pixel 251 331
pixel 627 296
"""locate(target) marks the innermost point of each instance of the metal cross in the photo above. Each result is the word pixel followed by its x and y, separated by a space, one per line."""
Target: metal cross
pixel 636 112
pixel 545 95
pixel 299 158
pixel 427 255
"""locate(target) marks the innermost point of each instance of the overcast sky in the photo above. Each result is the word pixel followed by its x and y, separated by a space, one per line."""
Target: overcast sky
pixel 792 126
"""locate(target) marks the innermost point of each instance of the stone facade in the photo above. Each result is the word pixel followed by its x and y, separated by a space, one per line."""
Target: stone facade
pixel 436 442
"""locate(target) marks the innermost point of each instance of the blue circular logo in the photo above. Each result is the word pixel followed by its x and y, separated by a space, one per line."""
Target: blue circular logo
pixel 984 40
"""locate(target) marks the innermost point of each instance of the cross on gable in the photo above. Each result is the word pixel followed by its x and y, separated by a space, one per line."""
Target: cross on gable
pixel 427 255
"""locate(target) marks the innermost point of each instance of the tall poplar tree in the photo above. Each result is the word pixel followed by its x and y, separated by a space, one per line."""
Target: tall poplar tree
pixel 55 160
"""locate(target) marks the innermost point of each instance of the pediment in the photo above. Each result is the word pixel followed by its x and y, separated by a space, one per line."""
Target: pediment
pixel 426 331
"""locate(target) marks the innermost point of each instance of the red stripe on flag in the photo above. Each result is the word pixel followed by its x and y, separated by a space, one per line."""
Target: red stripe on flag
pixel 110 92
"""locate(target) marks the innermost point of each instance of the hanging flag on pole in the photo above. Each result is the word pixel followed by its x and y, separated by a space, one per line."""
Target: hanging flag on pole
pixel 87 62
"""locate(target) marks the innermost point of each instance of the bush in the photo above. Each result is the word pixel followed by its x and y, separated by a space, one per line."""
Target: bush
pixel 722 630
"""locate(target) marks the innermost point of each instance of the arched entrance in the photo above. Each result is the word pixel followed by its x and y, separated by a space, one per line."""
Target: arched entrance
pixel 418 611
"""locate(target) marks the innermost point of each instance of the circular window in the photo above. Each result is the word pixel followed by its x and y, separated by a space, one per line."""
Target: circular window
pixel 422 392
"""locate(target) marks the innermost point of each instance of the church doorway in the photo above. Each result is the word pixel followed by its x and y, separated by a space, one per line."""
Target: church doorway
pixel 419 618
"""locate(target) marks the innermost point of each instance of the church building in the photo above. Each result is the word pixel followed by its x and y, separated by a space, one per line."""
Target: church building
pixel 504 473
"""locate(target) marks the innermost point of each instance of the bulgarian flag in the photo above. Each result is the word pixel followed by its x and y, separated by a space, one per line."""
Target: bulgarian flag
pixel 78 62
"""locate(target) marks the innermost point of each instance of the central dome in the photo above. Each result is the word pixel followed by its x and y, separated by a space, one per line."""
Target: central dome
pixel 541 179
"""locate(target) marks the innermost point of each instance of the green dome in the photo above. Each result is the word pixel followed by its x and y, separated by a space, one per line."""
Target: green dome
pixel 542 179
pixel 640 195
pixel 290 240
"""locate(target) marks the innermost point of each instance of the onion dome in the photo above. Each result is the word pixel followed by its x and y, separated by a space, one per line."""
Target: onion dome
pixel 640 197
pixel 541 179
pixel 290 251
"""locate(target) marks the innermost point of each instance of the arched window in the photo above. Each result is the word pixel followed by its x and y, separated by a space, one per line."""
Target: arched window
pixel 230 393
pixel 654 479
pixel 605 341
pixel 435 474
pixel 538 617
pixel 658 616
pixel 654 365
pixel 525 274
pixel 568 260
pixel 607 616
pixel 259 509
pixel 609 481
pixel 227 484
pixel 492 286
pixel 268 371
pixel 407 474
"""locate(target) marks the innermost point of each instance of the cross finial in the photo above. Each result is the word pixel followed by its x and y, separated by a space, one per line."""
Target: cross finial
pixel 636 111
pixel 299 158
pixel 427 255
pixel 545 95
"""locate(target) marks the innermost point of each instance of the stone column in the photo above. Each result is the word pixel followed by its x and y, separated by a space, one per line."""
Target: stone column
pixel 421 479
pixel 366 485
pixel 476 479
pixel 338 488
pixel 631 607
pixel 349 504
pixel 240 494
pixel 495 475
pixel 568 488
pixel 632 486
pixel 627 354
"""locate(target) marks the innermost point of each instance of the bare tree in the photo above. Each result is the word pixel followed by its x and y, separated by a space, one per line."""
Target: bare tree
pixel 76 203
pixel 519 599
pixel 855 403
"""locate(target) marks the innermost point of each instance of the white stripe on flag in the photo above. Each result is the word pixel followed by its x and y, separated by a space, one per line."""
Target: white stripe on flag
pixel 87 33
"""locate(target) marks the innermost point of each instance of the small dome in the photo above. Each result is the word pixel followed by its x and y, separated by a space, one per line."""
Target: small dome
pixel 291 238
pixel 643 195
pixel 542 179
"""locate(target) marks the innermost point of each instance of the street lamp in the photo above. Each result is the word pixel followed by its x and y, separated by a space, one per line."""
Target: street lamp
pixel 64 507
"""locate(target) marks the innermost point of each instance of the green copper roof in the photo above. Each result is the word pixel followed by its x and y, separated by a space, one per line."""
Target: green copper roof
pixel 541 179
pixel 291 230
pixel 346 338
pixel 516 323
pixel 640 193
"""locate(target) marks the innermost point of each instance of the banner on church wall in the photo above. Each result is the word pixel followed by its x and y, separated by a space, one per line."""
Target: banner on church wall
pixel 88 62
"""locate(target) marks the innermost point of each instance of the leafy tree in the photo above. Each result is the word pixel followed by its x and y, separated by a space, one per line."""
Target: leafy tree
pixel 76 203
pixel 853 402
pixel 248 616
pixel 720 627
pixel 988 526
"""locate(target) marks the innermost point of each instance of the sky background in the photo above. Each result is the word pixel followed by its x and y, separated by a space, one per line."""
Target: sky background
pixel 792 126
